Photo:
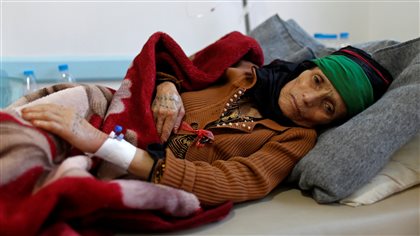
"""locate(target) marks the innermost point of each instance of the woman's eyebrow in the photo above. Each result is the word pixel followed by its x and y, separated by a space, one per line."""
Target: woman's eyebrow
pixel 324 77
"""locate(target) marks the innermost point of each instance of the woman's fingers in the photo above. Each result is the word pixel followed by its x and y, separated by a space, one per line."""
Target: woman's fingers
pixel 159 123
pixel 51 117
pixel 50 126
pixel 168 125
pixel 66 123
pixel 42 108
pixel 45 112
pixel 165 121
pixel 45 115
pixel 172 123
pixel 179 118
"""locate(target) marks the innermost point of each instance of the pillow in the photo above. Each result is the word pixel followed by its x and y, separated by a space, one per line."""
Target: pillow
pixel 402 172
pixel 276 41
pixel 348 156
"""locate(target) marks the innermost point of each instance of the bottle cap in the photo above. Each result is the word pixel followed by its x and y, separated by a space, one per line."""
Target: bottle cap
pixel 325 36
pixel 63 67
pixel 28 72
pixel 344 35
pixel 118 129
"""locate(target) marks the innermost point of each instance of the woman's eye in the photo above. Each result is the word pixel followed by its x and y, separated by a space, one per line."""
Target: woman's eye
pixel 317 79
pixel 329 108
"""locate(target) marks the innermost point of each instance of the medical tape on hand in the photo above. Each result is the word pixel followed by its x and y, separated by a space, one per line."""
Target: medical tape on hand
pixel 118 152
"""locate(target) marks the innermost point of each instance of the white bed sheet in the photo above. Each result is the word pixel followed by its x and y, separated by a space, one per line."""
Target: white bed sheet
pixel 288 212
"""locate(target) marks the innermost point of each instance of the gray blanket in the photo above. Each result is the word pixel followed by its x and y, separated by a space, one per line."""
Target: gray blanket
pixel 348 156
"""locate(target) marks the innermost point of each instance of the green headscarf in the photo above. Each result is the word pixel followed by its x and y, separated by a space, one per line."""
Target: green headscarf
pixel 349 80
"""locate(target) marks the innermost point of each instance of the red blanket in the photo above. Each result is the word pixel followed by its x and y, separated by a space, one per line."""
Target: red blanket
pixel 88 206
pixel 162 53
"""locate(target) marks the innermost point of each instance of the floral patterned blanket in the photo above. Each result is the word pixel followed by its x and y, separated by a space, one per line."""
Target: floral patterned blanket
pixel 92 206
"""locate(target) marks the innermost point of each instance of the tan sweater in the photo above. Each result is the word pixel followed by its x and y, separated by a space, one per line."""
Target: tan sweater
pixel 246 160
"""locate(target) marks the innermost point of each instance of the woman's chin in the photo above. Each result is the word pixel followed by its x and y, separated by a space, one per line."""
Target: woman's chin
pixel 302 123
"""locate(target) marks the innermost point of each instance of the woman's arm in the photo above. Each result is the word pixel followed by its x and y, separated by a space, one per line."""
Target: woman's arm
pixel 239 178
pixel 66 123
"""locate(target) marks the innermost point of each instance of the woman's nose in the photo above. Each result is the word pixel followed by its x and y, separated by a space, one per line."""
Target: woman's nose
pixel 308 99
pixel 313 98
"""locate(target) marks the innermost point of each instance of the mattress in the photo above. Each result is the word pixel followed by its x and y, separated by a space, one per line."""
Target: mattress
pixel 289 212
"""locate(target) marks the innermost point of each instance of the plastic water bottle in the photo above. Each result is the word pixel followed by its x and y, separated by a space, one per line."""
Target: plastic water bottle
pixel 65 74
pixel 29 82
pixel 328 40
pixel 344 39
pixel 5 89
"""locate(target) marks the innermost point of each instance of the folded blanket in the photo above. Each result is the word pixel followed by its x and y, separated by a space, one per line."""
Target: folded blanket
pixel 86 205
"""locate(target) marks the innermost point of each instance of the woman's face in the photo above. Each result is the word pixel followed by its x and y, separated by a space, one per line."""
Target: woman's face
pixel 311 100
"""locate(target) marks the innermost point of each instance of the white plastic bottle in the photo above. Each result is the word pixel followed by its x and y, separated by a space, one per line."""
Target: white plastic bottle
pixel 328 40
pixel 29 83
pixel 5 89
pixel 65 75
pixel 344 39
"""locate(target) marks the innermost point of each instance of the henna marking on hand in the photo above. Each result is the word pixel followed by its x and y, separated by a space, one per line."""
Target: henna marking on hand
pixel 77 124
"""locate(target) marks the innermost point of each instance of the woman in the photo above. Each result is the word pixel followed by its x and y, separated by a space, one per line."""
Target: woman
pixel 237 139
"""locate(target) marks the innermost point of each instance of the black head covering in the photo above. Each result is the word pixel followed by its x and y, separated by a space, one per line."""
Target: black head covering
pixel 379 77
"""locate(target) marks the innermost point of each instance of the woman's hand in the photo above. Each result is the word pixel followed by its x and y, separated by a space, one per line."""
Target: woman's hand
pixel 168 110
pixel 66 123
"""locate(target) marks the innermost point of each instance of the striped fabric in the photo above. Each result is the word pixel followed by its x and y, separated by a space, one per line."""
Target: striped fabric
pixel 246 160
